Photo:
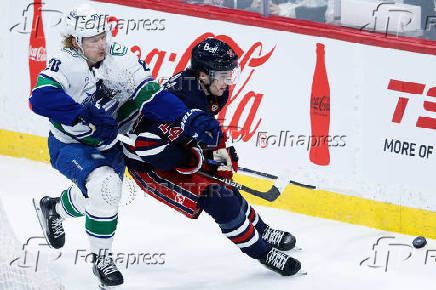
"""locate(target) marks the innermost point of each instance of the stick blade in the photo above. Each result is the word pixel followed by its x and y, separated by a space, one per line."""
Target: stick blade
pixel 272 194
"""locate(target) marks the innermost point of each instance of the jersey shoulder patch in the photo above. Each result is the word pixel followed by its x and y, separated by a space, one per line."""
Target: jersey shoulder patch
pixel 118 49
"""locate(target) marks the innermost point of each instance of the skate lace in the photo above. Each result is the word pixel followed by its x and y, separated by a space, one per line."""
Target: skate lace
pixel 273 236
pixel 56 225
pixel 277 259
pixel 107 266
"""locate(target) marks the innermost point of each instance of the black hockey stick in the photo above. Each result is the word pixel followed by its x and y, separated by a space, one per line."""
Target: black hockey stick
pixel 273 177
pixel 263 174
pixel 269 195
pixel 270 176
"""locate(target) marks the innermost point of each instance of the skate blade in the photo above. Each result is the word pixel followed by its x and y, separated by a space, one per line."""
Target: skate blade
pixel 104 287
pixel 40 220
pixel 294 250
pixel 300 273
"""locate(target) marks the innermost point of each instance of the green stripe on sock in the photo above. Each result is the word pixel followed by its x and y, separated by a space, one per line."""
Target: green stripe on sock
pixel 68 206
pixel 101 227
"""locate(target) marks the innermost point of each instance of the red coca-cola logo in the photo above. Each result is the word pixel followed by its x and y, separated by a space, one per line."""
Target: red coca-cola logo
pixel 38 54
pixel 321 104
pixel 240 99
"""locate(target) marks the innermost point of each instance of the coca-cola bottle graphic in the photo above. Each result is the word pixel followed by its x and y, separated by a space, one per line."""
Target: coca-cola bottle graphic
pixel 37 48
pixel 320 111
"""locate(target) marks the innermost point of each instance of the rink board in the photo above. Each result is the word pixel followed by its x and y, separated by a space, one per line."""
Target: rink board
pixel 382 98
pixel 319 203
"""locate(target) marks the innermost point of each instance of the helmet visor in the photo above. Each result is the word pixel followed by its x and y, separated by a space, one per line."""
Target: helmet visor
pixel 228 77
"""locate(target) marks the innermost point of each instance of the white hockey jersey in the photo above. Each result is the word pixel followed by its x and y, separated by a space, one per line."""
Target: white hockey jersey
pixel 68 73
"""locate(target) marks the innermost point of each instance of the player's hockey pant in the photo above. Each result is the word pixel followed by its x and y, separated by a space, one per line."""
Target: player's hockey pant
pixel 190 194
pixel 97 178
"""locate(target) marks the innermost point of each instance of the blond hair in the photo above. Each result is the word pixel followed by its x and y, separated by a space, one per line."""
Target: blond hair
pixel 68 41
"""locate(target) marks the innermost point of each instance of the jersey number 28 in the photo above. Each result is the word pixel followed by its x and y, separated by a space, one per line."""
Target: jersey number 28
pixel 53 64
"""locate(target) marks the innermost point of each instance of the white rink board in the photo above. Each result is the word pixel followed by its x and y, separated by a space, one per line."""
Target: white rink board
pixel 361 105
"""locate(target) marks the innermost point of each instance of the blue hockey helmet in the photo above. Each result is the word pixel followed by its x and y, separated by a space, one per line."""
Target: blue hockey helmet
pixel 213 55
pixel 217 59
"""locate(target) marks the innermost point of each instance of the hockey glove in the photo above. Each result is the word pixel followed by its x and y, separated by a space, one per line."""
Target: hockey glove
pixel 194 162
pixel 202 127
pixel 228 159
pixel 104 98
pixel 104 127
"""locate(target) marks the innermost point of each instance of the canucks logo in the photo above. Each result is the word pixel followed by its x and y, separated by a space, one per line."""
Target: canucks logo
pixel 118 49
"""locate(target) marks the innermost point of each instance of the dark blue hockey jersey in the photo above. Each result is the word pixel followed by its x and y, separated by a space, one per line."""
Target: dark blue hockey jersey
pixel 163 145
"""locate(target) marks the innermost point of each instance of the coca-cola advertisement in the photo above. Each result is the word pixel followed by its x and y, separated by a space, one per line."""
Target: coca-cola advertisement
pixel 37 46
pixel 320 110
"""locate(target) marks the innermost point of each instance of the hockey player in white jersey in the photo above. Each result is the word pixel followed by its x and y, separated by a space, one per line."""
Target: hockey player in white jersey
pixel 91 91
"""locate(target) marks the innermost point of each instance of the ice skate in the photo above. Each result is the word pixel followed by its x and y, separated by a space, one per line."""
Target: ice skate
pixel 281 263
pixel 278 239
pixel 50 221
pixel 107 272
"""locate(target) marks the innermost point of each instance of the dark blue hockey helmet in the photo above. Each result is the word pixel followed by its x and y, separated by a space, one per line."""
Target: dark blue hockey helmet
pixel 213 55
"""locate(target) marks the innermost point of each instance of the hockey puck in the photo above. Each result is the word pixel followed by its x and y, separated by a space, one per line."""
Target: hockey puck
pixel 419 242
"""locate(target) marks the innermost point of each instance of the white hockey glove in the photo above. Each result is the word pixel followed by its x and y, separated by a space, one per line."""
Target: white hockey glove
pixel 229 160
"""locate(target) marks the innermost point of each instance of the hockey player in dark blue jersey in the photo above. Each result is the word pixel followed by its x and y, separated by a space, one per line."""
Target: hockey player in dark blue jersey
pixel 167 163
pixel 91 91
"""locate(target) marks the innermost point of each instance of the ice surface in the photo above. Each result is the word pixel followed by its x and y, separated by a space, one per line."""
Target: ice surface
pixel 197 256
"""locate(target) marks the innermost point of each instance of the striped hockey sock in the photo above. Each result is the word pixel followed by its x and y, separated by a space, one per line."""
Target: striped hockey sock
pixel 252 215
pixel 224 206
pixel 242 233
pixel 70 203
pixel 100 231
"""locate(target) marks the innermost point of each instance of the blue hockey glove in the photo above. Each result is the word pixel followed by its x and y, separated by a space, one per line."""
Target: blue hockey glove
pixel 202 127
pixel 104 98
pixel 104 127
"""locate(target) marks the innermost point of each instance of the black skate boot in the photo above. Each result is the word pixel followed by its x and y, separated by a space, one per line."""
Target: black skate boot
pixel 50 221
pixel 278 239
pixel 281 263
pixel 107 272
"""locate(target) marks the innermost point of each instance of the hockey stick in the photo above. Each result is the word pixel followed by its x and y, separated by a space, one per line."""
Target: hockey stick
pixel 270 195
pixel 273 177
pixel 270 176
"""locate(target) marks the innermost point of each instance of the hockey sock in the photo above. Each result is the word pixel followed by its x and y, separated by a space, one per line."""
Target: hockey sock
pixel 251 214
pixel 104 193
pixel 70 203
pixel 223 205
pixel 100 231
